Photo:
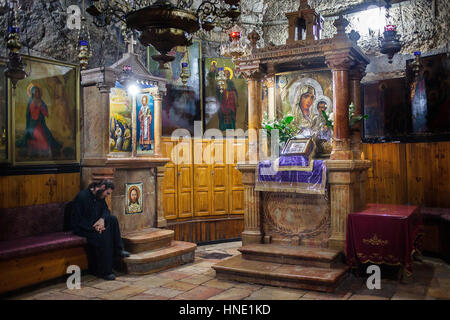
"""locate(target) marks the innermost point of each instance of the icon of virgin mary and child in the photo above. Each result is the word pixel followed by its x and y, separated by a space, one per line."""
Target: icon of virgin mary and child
pixel 307 120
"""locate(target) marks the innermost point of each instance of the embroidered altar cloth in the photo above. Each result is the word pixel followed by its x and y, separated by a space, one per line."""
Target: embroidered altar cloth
pixel 383 233
pixel 298 174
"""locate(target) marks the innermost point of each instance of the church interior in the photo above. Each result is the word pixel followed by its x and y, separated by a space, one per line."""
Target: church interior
pixel 258 149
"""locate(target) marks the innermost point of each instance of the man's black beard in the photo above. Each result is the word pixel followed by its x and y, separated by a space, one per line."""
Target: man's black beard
pixel 98 194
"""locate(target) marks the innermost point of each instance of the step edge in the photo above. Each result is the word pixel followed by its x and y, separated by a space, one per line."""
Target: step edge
pixel 283 277
pixel 298 257
pixel 148 240
pixel 128 238
pixel 162 256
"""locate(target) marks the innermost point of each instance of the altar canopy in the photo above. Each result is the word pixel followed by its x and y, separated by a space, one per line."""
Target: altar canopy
pixel 298 174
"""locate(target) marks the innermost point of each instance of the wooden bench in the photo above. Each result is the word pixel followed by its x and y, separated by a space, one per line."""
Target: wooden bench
pixel 36 245
pixel 436 241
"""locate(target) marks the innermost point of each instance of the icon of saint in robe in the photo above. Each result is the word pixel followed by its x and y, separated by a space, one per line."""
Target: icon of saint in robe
pixel 145 118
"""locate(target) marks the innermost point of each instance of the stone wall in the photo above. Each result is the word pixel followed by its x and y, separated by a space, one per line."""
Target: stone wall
pixel 422 26
pixel 44 33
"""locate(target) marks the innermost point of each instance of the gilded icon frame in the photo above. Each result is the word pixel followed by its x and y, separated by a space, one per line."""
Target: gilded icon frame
pixel 5 123
pixel 305 150
pixel 129 187
pixel 75 111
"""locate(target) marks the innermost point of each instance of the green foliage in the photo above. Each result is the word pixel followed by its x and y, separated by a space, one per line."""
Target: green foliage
pixel 351 116
pixel 328 122
pixel 353 120
pixel 286 128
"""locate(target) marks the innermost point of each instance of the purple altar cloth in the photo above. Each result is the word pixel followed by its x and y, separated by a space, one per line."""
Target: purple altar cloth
pixel 296 172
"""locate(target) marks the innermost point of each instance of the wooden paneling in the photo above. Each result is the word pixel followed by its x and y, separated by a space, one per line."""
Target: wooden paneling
pixel 185 179
pixel 428 175
pixel 21 272
pixel 220 181
pixel 202 178
pixel 413 173
pixel 216 191
pixel 236 152
pixel 170 203
pixel 386 183
pixel 27 190
pixel 201 231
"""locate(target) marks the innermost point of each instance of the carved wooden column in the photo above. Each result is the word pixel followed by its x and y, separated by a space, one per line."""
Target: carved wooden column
pixel 161 221
pixel 254 113
pixel 346 171
pixel 356 74
pixel 252 220
pixel 340 65
pixel 340 60
pixel 158 124
pixel 105 90
pixel 269 81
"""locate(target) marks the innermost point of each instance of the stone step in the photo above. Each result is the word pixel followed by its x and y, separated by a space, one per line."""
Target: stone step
pixel 281 275
pixel 147 239
pixel 176 254
pixel 295 255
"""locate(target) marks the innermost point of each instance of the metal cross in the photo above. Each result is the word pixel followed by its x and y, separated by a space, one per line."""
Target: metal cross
pixel 130 44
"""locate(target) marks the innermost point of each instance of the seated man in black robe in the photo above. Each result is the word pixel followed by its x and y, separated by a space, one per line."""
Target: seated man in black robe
pixel 91 219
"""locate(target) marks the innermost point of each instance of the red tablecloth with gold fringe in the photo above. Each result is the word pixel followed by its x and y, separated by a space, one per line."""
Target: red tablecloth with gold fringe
pixel 383 233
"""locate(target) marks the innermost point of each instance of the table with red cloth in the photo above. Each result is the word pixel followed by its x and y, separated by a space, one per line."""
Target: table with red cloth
pixel 383 233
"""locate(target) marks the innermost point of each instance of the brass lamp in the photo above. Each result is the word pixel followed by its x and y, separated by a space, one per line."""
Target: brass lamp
pixel 163 24
pixel 185 74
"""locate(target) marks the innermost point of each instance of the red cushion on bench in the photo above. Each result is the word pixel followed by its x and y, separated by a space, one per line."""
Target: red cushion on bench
pixel 435 214
pixel 37 244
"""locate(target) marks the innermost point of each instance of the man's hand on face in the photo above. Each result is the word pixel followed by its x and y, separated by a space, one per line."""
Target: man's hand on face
pixel 99 226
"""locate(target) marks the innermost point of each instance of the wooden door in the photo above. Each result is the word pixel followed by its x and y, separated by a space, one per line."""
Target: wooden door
pixel 202 178
pixel 236 152
pixel 170 182
pixel 185 179
pixel 219 177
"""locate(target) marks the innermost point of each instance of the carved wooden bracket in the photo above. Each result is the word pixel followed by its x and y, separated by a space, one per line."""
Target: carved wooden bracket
pixel 251 71
pixel 340 60
pixel 358 71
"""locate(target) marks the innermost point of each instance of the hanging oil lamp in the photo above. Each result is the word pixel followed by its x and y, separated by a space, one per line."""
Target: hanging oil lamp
pixel 14 66
pixel 390 42
pixel 185 74
pixel 84 38
pixel 237 46
pixel 221 79
pixel 84 55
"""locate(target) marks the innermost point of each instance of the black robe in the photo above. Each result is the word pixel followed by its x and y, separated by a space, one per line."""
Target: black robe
pixel 104 247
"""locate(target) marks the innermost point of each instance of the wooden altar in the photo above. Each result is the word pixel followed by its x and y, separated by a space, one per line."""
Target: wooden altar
pixel 114 146
pixel 306 252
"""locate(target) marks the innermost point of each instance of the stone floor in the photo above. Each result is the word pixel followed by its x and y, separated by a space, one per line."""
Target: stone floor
pixel 196 281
